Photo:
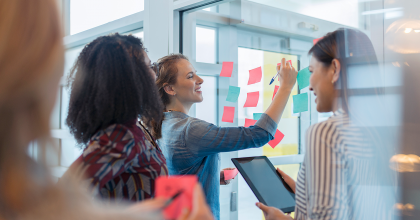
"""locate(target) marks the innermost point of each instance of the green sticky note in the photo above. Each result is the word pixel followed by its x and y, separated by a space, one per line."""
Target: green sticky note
pixel 233 94
pixel 257 116
pixel 303 78
pixel 300 103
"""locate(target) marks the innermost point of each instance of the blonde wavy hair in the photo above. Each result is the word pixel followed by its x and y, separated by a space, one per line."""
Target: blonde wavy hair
pixel 31 65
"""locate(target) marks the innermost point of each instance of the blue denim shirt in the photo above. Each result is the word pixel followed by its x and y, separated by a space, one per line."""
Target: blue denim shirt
pixel 192 146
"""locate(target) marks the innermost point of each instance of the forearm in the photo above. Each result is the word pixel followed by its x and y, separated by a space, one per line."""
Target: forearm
pixel 277 106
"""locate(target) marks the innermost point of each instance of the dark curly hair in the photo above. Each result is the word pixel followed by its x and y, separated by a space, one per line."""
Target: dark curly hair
pixel 111 84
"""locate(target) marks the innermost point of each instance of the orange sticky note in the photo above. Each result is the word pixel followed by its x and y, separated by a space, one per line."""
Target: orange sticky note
pixel 228 114
pixel 277 138
pixel 255 75
pixel 252 99
pixel 249 122
pixel 227 68
pixel 230 174
pixel 166 187
pixel 276 88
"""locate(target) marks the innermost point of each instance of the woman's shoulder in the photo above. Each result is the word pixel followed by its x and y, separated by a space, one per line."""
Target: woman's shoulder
pixel 113 133
pixel 325 132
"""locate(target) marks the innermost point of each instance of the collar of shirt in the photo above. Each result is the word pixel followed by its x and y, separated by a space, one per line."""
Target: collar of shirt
pixel 175 114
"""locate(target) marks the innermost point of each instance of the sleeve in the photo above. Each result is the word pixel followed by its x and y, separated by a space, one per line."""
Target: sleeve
pixel 203 138
pixel 108 155
pixel 325 180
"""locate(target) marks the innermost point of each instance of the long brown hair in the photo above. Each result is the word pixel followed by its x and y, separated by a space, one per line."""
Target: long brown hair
pixel 166 72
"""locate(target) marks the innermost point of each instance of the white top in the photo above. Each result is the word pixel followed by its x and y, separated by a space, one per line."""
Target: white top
pixel 337 179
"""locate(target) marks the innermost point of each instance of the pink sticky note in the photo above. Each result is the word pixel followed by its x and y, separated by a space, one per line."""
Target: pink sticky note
pixel 249 122
pixel 316 40
pixel 228 114
pixel 255 75
pixel 227 69
pixel 230 174
pixel 252 99
pixel 166 187
pixel 277 138
pixel 276 88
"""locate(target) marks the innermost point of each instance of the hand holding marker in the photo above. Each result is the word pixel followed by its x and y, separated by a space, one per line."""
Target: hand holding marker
pixel 278 71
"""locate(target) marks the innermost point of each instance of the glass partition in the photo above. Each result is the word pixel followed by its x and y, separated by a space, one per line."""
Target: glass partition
pixel 258 33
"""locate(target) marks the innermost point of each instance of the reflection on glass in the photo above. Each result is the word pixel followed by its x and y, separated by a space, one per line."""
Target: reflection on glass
pixel 85 14
pixel 405 163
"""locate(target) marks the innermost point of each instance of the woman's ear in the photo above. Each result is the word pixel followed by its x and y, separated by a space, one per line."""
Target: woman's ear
pixel 169 89
pixel 336 68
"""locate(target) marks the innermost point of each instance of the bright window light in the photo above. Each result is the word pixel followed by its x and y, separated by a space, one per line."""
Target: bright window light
pixel 85 15
pixel 205 45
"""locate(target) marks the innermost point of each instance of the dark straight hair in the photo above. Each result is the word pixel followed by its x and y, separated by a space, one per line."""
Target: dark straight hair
pixel 111 84
pixel 351 47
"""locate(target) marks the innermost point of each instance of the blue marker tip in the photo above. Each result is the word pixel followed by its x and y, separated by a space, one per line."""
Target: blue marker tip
pixel 272 80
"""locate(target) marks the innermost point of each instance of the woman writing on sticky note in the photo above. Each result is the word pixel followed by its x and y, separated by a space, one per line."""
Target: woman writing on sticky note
pixel 191 145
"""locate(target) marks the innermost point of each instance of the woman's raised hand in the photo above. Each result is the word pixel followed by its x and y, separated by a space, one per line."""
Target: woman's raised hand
pixel 287 75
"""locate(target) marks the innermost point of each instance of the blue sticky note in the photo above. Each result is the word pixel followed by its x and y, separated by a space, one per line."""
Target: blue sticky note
pixel 300 103
pixel 233 94
pixel 303 78
pixel 257 116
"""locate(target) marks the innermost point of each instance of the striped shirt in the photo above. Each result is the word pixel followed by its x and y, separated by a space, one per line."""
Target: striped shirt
pixel 337 179
pixel 122 162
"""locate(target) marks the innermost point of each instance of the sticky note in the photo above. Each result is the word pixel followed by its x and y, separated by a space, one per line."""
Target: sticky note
pixel 252 99
pixel 316 40
pixel 276 88
pixel 257 116
pixel 230 174
pixel 166 187
pixel 300 103
pixel 228 114
pixel 249 122
pixel 233 94
pixel 277 138
pixel 227 68
pixel 303 78
pixel 255 75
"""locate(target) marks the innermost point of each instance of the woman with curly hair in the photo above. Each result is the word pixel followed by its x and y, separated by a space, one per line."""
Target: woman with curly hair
pixel 113 103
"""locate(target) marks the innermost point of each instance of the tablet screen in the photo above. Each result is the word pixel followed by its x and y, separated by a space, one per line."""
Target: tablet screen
pixel 264 181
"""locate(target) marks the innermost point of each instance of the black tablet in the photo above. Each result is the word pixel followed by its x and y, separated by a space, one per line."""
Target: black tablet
pixel 264 180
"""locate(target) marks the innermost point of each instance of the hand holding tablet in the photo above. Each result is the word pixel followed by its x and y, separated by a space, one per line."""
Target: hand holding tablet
pixel 265 182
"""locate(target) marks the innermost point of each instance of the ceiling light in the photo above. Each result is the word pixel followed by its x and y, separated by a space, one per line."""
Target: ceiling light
pixel 408 30
pixel 417 31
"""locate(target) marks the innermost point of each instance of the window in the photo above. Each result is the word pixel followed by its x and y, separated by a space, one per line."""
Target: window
pixel 85 14
pixel 205 45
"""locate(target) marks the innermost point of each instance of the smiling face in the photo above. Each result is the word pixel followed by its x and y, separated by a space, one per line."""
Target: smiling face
pixel 322 84
pixel 187 88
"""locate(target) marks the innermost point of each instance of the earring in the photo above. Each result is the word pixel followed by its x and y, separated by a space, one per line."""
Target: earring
pixel 332 81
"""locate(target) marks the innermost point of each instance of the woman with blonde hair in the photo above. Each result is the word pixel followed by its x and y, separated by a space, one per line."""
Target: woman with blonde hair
pixel 31 65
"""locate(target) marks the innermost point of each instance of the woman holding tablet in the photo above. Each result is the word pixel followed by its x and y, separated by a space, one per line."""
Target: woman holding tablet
pixel 191 145
pixel 338 178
